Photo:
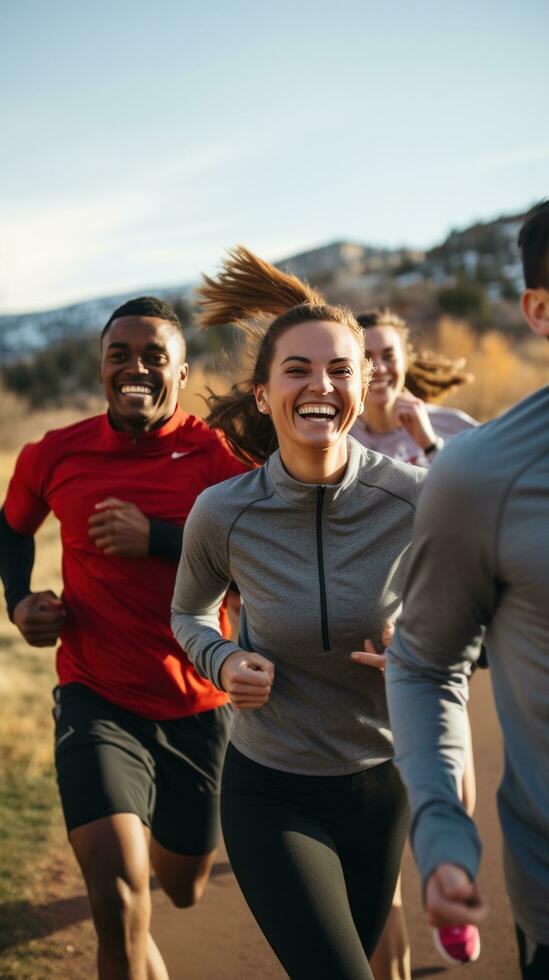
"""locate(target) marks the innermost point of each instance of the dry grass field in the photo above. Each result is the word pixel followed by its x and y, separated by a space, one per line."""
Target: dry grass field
pixel 27 790
pixel 504 371
pixel 29 814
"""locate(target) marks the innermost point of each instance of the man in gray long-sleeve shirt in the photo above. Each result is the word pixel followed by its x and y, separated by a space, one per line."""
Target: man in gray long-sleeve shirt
pixel 481 559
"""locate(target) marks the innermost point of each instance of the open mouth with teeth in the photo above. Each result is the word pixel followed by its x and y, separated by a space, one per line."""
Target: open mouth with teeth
pixel 136 390
pixel 317 413
pixel 383 388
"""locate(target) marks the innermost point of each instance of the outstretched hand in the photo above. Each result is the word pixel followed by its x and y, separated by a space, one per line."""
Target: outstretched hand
pixel 452 899
pixel 247 678
pixel 40 617
pixel 369 656
pixel 120 528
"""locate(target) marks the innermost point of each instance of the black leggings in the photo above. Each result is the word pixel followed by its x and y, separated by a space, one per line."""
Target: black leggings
pixel 317 858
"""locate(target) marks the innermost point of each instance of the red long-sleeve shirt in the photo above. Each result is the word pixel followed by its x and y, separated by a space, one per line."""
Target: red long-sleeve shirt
pixel 117 639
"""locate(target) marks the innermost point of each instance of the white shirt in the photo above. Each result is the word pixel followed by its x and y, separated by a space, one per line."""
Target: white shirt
pixel 398 444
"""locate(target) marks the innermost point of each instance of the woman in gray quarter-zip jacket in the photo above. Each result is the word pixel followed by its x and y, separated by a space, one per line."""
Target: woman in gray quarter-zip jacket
pixel 314 814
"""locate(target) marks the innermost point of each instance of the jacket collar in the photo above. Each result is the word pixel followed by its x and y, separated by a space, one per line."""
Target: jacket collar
pixel 114 439
pixel 304 495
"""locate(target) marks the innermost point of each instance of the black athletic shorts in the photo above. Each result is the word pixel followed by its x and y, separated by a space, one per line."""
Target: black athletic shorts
pixel 110 760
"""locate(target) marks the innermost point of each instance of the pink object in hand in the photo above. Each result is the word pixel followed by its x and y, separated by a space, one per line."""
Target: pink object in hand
pixel 457 944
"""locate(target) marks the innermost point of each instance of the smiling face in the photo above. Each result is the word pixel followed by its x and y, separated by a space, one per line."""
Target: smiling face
pixel 142 369
pixel 315 390
pixel 384 347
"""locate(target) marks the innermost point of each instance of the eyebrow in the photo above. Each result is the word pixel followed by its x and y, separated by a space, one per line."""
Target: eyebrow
pixel 307 360
pixel 386 350
pixel 119 345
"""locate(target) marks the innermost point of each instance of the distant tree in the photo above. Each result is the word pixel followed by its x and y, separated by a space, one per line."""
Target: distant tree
pixel 56 374
pixel 466 300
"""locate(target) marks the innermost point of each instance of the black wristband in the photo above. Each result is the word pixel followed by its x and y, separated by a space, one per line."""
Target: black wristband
pixel 165 539
pixel 435 446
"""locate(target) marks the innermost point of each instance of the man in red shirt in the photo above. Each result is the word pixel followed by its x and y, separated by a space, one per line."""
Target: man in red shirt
pixel 140 736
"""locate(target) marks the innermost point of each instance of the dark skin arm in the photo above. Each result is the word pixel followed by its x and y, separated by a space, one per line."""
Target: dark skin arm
pixel 40 617
pixel 120 528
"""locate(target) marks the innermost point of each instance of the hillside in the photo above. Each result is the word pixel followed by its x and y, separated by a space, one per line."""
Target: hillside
pixel 25 332
pixel 475 272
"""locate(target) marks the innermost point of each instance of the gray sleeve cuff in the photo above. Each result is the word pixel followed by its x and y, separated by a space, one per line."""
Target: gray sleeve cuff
pixel 205 647
pixel 444 834
pixel 216 658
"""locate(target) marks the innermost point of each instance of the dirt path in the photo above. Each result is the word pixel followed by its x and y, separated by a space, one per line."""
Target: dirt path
pixel 218 940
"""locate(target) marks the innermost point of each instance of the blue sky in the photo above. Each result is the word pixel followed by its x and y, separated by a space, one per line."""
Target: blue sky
pixel 141 140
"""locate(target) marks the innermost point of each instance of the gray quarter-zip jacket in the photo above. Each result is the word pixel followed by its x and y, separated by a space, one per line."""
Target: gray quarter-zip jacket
pixel 320 569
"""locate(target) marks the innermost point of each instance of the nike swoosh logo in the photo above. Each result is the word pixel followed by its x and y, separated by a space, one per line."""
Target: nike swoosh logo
pixel 68 733
pixel 179 455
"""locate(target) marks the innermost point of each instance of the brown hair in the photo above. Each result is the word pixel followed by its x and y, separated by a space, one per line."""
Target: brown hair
pixel 246 293
pixel 429 375
pixel 533 242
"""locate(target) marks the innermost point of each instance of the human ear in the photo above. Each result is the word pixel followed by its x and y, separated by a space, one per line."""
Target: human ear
pixel 184 376
pixel 535 308
pixel 261 400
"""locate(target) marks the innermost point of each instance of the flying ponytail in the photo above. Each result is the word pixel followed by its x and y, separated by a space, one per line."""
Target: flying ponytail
pixel 248 286
pixel 247 293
